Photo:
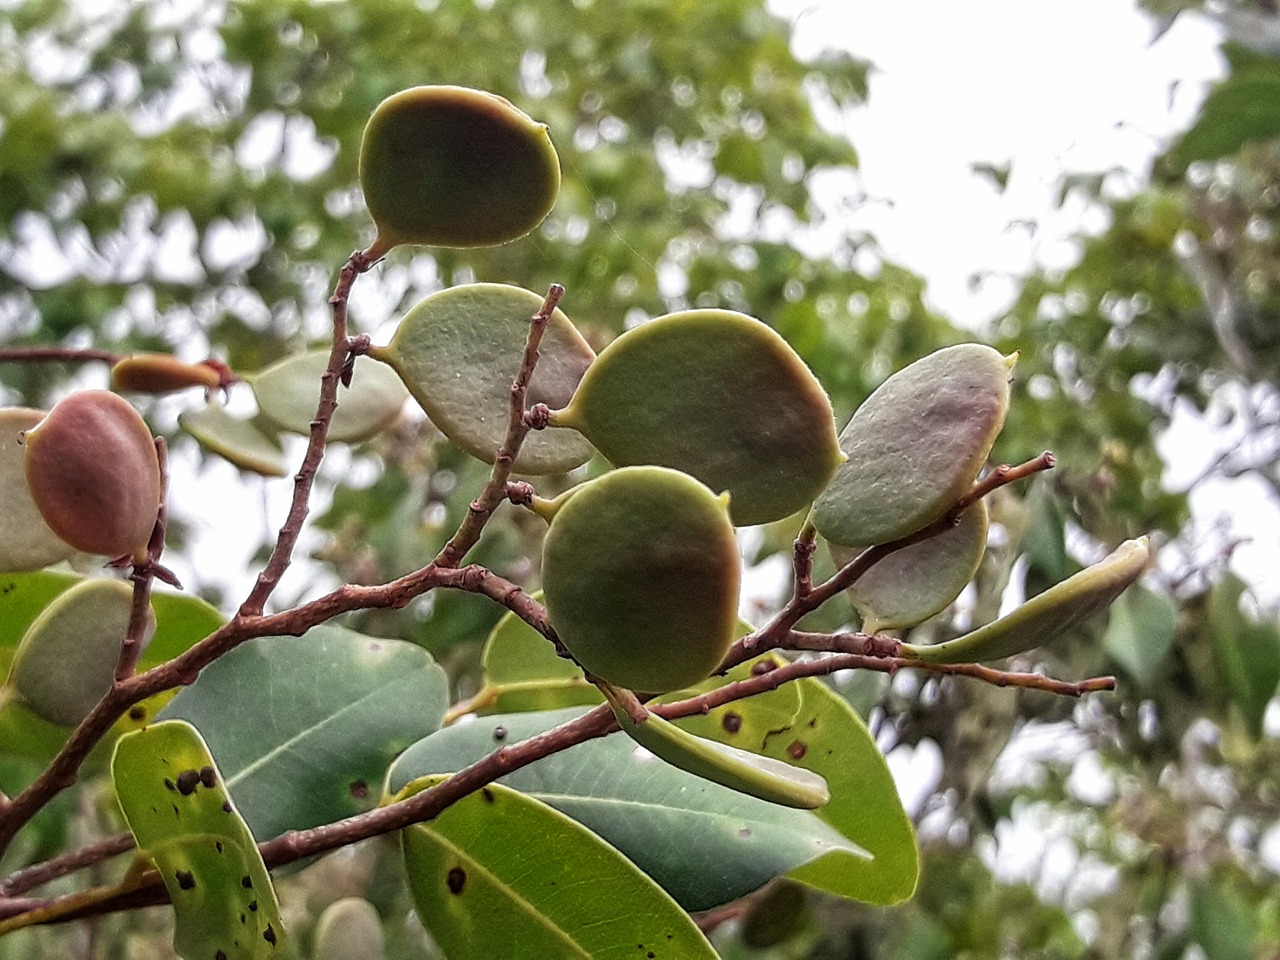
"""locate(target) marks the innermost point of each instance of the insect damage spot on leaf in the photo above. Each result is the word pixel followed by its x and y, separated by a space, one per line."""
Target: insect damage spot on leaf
pixel 359 789
pixel 208 776
pixel 797 749
pixel 488 795
pixel 253 906
pixel 247 882
pixel 456 880
pixel 186 880
pixel 269 935
pixel 226 806
pixel 188 780
pixel 732 722
pixel 138 713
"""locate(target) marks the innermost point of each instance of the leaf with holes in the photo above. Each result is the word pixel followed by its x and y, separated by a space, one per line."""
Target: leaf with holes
pixel 500 874
pixel 177 806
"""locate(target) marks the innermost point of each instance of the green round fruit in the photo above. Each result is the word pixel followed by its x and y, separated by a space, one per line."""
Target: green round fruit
pixel 640 571
pixel 92 471
pixel 722 397
pixel 454 167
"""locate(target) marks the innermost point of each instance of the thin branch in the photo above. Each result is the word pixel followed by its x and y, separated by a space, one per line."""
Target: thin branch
pixel 63 354
pixel 62 771
pixel 144 575
pixel 805 600
pixel 28 878
pixel 598 722
pixel 518 426
pixel 282 554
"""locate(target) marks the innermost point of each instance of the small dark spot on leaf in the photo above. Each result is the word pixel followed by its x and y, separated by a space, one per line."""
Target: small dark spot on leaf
pixel 763 667
pixel 375 647
pixel 186 880
pixel 456 880
pixel 359 789
pixel 168 784
pixel 247 882
pixel 188 780
pixel 209 776
pixel 650 955
pixel 253 906
pixel 220 955
pixel 797 749
pixel 813 722
pixel 269 935
pixel 176 811
pixel 732 722
pixel 744 833
pixel 217 845
pixel 138 713
pixel 226 806
pixel 499 733
pixel 487 794
pixel 243 918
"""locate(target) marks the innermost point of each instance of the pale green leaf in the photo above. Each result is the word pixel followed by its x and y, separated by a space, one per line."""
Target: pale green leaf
pixel 305 727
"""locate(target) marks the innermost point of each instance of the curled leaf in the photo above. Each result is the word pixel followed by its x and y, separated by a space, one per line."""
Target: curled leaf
pixel 1048 615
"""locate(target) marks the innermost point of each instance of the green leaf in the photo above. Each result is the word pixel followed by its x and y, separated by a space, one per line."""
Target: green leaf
pixel 1242 108
pixel 913 584
pixel 500 874
pixel 821 733
pixel 238 441
pixel 458 352
pixel 67 659
pixel 26 542
pixel 522 671
pixel 305 727
pixel 916 445
pixel 22 597
pixel 656 815
pixel 1247 652
pixel 1141 631
pixel 1048 615
pixel 289 391
pixel 720 396
pixel 179 811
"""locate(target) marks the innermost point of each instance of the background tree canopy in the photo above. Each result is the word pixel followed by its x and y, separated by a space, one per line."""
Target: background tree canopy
pixel 182 178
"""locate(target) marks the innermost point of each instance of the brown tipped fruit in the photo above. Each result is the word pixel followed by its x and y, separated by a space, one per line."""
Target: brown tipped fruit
pixel 93 473
pixel 455 167
pixel 640 572
pixel 161 373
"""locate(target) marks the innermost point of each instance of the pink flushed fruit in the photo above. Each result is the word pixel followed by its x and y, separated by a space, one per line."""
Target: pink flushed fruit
pixel 93 473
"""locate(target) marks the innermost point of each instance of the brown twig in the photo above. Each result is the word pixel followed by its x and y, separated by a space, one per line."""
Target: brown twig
pixel 282 553
pixel 63 354
pixel 497 490
pixel 144 575
pixel 805 601
pixel 28 878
